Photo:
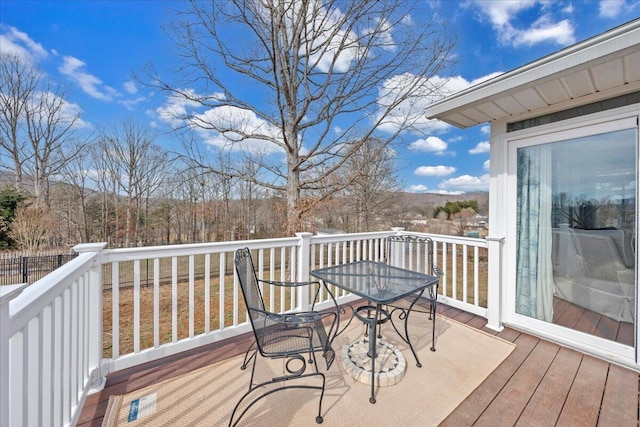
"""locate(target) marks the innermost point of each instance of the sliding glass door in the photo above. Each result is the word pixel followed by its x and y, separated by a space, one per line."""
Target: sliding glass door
pixel 575 228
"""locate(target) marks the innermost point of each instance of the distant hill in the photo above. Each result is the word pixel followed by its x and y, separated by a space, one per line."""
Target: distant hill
pixel 420 201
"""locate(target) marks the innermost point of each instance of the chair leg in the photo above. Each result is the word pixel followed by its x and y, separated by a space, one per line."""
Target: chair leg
pixel 406 333
pixel 248 358
pixel 233 421
pixel 433 325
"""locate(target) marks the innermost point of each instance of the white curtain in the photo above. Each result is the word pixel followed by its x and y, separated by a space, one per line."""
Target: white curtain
pixel 534 274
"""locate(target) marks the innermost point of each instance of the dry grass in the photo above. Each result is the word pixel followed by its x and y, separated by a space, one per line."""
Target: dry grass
pixel 165 320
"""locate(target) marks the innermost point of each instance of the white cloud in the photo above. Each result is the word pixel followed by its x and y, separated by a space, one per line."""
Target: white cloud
pixel 174 111
pixel 543 30
pixel 482 147
pixel 485 129
pixel 429 145
pixel 611 8
pixel 546 28
pixel 466 183
pixel 434 170
pixel 18 43
pixel 130 87
pixel 129 103
pixel 419 188
pixel 486 165
pixel 411 111
pixel 247 132
pixel 225 127
pixel 615 8
pixel 445 192
pixel 90 84
pixel 69 112
pixel 382 32
pixel 329 49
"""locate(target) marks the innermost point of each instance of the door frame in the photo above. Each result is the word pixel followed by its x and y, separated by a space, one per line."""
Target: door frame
pixel 609 121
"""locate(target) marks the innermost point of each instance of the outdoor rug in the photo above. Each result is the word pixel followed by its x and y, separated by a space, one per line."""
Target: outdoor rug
pixel 425 396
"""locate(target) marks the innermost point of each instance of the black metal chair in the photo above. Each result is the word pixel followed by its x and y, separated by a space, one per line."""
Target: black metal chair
pixel 413 253
pixel 288 336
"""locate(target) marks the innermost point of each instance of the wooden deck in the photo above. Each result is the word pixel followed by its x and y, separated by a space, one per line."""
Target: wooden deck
pixel 539 384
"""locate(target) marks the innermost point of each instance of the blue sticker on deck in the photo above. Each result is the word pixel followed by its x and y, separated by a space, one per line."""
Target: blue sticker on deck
pixel 133 410
pixel 142 407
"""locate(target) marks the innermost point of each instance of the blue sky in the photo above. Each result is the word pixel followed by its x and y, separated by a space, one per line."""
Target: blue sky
pixel 95 47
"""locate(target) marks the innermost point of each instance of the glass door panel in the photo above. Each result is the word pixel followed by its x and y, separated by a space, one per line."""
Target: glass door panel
pixel 575 225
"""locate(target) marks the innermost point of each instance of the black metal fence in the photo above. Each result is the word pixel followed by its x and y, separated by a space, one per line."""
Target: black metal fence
pixel 28 269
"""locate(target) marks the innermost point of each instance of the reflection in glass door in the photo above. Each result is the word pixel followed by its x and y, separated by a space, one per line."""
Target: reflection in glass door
pixel 575 244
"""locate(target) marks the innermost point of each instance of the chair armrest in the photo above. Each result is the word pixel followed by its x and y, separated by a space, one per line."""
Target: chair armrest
pixel 288 284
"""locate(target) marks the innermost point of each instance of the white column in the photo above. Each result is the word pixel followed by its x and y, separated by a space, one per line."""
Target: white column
pixel 304 257
pixel 495 285
pixel 98 375
pixel 7 293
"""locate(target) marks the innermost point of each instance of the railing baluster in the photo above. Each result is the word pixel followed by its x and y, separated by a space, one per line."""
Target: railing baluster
pixel 136 306
pixel 191 296
pixel 465 281
pixel 221 289
pixel 476 276
pixel 454 271
pixel 293 303
pixel 444 268
pixel 207 293
pixel 283 277
pixel 56 374
pixel 174 299
pixel 115 310
pixel 236 304
pixel 156 302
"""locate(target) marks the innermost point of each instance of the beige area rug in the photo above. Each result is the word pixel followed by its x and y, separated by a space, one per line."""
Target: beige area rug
pixel 424 397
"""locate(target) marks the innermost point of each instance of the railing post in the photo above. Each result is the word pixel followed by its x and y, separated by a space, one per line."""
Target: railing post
pixel 98 377
pixel 397 230
pixel 494 287
pixel 7 293
pixel 303 270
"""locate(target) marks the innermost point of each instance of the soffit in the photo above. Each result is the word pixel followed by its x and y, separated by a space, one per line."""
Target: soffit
pixel 598 68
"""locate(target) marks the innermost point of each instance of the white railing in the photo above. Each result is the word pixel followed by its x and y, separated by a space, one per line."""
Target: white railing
pixel 51 344
pixel 160 301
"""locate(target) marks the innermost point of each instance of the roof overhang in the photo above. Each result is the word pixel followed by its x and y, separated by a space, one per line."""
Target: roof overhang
pixel 601 67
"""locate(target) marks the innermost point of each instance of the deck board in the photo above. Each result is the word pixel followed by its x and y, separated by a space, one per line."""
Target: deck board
pixel 539 384
pixel 582 406
pixel 546 404
pixel 520 387
pixel 477 402
pixel 620 401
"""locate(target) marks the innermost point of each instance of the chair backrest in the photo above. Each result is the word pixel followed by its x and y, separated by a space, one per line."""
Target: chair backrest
pixel 411 252
pixel 250 289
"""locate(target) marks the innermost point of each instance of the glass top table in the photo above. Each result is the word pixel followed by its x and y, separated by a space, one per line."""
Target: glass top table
pixel 375 281
pixel 379 283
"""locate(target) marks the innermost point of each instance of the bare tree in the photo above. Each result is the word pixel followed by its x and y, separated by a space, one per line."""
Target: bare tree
pixel 53 138
pixel 371 172
pixel 136 163
pixel 299 80
pixel 31 228
pixel 77 173
pixel 18 84
pixel 38 126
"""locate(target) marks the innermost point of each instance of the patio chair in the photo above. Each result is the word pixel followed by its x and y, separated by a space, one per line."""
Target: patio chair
pixel 295 337
pixel 413 253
